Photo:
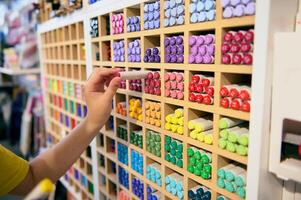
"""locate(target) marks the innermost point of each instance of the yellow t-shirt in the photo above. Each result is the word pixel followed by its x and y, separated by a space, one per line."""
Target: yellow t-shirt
pixel 13 170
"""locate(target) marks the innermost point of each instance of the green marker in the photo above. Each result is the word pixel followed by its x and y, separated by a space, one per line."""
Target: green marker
pixel 180 163
pixel 228 123
pixel 230 147
pixel 234 134
pixel 221 182
pixel 197 155
pixel 241 179
pixel 225 132
pixel 167 157
pixel 221 197
pixel 173 160
pixel 167 140
pixel 221 172
pixel 222 143
pixel 242 150
pixel 190 151
pixel 190 169
pixel 233 172
pixel 230 186
pixel 243 139
pixel 241 192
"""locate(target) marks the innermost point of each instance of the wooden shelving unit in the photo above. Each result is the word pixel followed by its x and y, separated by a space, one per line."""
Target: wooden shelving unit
pixel 64 63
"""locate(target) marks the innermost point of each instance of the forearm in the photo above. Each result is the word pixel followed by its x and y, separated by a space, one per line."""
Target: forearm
pixel 57 160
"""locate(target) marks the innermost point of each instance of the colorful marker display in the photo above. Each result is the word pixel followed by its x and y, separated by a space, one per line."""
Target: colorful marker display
pixel 153 113
pixel 153 143
pixel 202 11
pixel 118 51
pixel 174 185
pixel 133 24
pixel 153 83
pixel 152 55
pixel 199 162
pixel 117 23
pixel 233 178
pixel 173 151
pixel 138 188
pixel 201 89
pixel 175 122
pixel 134 51
pixel 233 136
pixel 201 49
pixel 136 138
pixel 174 49
pixel 199 192
pixel 238 8
pixel 236 97
pixel 201 129
pixel 153 173
pixel 237 47
pixel 174 85
pixel 135 108
pixel 123 153
pixel 174 12
pixel 137 161
pixel 151 15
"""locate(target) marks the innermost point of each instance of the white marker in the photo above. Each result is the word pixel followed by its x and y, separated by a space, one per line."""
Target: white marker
pixel 133 75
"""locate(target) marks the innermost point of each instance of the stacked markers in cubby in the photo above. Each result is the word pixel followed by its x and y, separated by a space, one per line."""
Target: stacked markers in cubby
pixel 137 161
pixel 173 151
pixel 111 123
pixel 123 177
pixel 133 24
pixel 153 113
pixel 123 153
pixel 153 143
pixel 122 132
pixel 233 137
pixel 221 197
pixel 199 162
pixel 122 195
pixel 153 83
pixel 122 84
pixel 134 51
pixel 201 129
pixel 152 15
pixel 174 49
pixel 153 173
pixel 238 8
pixel 174 85
pixel 117 23
pixel 201 89
pixel 136 138
pixel 199 192
pixel 102 161
pixel 236 97
pixel 174 185
pixel 121 108
pixel 201 49
pixel 175 122
pixel 174 12
pixel 153 194
pixel 138 188
pixel 152 55
pixel 237 47
pixel 135 85
pixel 78 91
pixel 94 27
pixel 118 51
pixel 202 11
pixel 135 109
pixel 233 178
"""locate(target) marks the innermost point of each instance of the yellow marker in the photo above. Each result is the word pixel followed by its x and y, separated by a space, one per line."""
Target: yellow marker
pixel 179 112
pixel 167 126
pixel 180 130
pixel 137 103
pixel 132 114
pixel 41 191
pixel 140 117
pixel 174 128
pixel 208 138
pixel 181 121
pixel 139 110
pixel 200 137
pixel 168 118
pixel 192 123
pixel 174 120
pixel 193 134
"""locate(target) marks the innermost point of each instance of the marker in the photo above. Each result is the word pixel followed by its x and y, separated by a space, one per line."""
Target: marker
pixel 234 134
pixel 129 75
pixel 241 179
pixel 41 191
pixel 233 172
pixel 221 172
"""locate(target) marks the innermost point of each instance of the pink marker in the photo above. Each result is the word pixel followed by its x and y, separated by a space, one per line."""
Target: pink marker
pixel 173 85
pixel 167 77
pixel 179 77
pixel 180 95
pixel 180 86
pixel 173 76
pixel 167 85
pixel 173 94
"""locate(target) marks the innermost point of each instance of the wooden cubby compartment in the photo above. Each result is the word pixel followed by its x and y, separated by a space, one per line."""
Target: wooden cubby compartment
pixel 104 25
pixel 101 162
pixel 73 32
pixel 151 42
pixel 82 52
pixel 74 50
pixel 112 189
pixel 106 51
pixel 95 51
pixel 80 30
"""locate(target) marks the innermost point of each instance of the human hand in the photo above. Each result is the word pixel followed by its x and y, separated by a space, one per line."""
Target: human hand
pixel 99 99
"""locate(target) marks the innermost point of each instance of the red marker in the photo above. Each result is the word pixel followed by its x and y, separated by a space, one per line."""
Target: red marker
pixel 207 100
pixel 225 47
pixel 247 59
pixel 210 91
pixel 197 78
pixel 236 104
pixel 237 59
pixel 156 75
pixel 157 91
pixel 192 87
pixel 234 92
pixel 229 36
pixel 226 59
pixel 246 47
pixel 146 89
pixel 249 36
pixel 147 82
pixel 157 83
pixel 235 48
pixel 199 98
pixel 191 97
pixel 245 93
pixel 150 75
pixel 225 102
pixel 199 88
pixel 225 90
pixel 207 81
pixel 238 37
pixel 245 107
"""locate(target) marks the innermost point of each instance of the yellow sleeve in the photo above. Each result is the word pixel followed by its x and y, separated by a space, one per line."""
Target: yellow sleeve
pixel 13 170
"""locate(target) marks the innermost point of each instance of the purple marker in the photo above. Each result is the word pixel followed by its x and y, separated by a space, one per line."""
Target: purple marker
pixel 194 50
pixel 167 58
pixel 179 40
pixel 155 51
pixel 200 40
pixel 228 12
pixel 235 2
pixel 157 58
pixel 202 50
pixel 145 59
pixel 211 49
pixel 180 59
pixel 173 59
pixel 250 8
pixel 173 49
pixel 208 59
pixel 180 49
pixel 172 41
pixel 239 10
pixel 192 40
pixel 148 52
pixel 225 3
pixel 209 39
pixel 198 59
pixel 151 58
pixel 167 50
pixel 166 41
pixel 191 59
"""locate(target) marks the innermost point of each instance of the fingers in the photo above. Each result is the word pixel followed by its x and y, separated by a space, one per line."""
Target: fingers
pixel 99 77
pixel 113 86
